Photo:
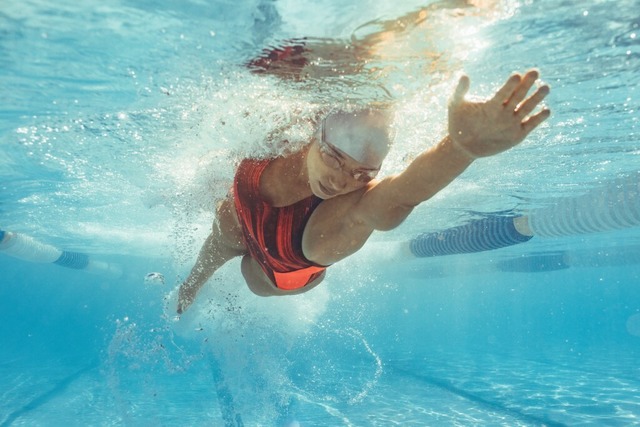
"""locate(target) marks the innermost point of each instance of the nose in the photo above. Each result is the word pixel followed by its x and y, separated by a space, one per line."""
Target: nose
pixel 338 182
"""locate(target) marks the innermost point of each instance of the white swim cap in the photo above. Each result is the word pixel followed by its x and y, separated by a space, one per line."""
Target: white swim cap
pixel 363 135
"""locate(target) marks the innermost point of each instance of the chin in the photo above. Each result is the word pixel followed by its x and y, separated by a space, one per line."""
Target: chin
pixel 321 195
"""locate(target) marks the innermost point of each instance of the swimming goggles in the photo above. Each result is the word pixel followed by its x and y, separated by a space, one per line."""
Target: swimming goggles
pixel 334 158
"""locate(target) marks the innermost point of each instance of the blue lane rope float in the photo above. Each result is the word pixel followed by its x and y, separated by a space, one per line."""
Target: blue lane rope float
pixel 76 260
pixel 27 248
pixel 481 235
pixel 612 206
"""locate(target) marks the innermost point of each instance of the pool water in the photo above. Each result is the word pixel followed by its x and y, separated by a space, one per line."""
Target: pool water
pixel 120 127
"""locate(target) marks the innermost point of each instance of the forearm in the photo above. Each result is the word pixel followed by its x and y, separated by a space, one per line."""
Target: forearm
pixel 212 256
pixel 203 269
pixel 430 172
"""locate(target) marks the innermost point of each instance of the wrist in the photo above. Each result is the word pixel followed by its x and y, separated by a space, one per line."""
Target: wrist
pixel 459 149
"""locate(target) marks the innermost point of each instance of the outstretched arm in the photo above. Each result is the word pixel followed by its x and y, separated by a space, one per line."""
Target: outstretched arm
pixel 341 225
pixel 476 129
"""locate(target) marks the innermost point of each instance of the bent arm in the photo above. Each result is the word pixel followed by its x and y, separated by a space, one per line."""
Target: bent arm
pixel 210 259
pixel 220 246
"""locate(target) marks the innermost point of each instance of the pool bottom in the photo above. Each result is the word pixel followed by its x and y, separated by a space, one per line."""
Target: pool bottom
pixel 445 389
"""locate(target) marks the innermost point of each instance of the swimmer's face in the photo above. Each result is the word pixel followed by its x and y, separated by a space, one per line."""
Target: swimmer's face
pixel 334 171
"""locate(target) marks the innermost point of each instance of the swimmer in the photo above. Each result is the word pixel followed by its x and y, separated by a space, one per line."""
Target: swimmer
pixel 292 217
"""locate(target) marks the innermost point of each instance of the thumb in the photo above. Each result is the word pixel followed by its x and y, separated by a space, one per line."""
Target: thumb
pixel 460 91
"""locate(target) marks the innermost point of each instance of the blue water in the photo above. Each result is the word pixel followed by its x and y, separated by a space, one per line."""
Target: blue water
pixel 119 128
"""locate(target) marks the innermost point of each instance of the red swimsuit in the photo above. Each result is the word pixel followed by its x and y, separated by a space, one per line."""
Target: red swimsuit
pixel 273 235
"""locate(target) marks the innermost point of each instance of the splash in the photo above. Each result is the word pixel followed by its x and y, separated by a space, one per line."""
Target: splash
pixel 226 306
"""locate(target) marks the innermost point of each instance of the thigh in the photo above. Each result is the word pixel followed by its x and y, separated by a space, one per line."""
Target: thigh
pixel 256 279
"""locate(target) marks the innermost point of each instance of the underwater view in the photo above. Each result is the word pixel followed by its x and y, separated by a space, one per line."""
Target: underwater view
pixel 509 298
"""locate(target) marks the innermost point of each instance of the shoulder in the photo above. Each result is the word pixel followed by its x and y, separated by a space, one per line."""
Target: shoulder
pixel 343 211
pixel 248 176
pixel 250 166
pixel 284 181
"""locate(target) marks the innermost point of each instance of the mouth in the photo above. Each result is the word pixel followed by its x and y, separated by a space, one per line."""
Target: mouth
pixel 326 191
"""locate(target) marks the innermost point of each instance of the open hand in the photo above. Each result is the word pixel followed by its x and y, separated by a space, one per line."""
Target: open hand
pixel 482 129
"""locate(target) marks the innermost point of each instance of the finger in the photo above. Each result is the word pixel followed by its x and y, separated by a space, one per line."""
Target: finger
pixel 503 94
pixel 528 105
pixel 521 91
pixel 460 91
pixel 532 122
